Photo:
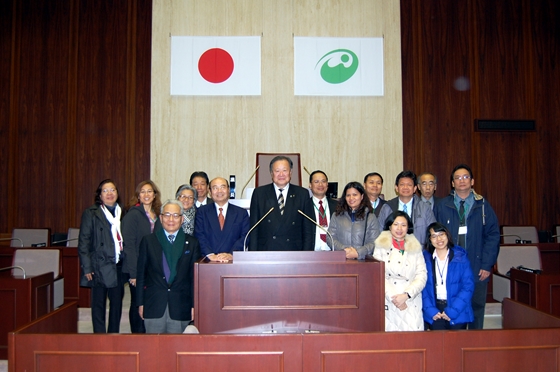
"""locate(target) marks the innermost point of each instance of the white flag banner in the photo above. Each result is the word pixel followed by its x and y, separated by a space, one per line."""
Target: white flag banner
pixel 216 65
pixel 325 66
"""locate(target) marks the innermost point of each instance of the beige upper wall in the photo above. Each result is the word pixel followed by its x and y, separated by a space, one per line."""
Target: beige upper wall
pixel 346 137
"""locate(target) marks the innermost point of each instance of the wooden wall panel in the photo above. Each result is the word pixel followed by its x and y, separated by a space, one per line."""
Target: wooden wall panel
pixel 6 59
pixel 76 106
pixel 507 51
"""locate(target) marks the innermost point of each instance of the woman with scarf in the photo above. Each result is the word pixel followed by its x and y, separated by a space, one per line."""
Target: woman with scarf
pixel 405 273
pixel 187 195
pixel 144 208
pixel 100 248
pixel 353 227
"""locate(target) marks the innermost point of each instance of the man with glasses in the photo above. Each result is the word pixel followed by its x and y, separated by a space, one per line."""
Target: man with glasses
pixel 427 185
pixel 165 274
pixel 220 226
pixel 474 226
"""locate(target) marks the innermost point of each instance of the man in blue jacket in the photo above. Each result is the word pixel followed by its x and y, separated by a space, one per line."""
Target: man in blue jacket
pixel 474 226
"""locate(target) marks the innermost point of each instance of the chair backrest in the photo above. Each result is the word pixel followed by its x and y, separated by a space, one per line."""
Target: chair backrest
pixel 516 255
pixel 37 261
pixel 31 236
pixel 512 233
pixel 73 234
pixel 262 176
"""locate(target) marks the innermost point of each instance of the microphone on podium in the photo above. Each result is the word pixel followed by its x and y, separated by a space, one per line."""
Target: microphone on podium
pixel 252 228
pixel 319 226
pixel 249 180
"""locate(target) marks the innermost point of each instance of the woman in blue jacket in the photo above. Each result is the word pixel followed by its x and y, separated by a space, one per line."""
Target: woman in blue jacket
pixel 447 296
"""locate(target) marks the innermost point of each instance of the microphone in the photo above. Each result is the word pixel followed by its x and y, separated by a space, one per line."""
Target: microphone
pixel 319 226
pixel 20 241
pixel 64 241
pixel 249 180
pixel 253 228
pixel 14 267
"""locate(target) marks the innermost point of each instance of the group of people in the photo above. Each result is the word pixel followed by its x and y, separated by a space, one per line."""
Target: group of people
pixel 430 282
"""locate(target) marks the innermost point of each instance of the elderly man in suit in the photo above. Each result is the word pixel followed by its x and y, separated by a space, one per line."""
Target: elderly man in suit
pixel 165 275
pixel 323 207
pixel 284 228
pixel 220 227
pixel 427 186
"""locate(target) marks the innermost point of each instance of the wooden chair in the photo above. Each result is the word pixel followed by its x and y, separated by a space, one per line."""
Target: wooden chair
pixel 512 256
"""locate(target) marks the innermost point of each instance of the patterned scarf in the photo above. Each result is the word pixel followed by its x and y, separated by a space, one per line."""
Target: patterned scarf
pixel 188 223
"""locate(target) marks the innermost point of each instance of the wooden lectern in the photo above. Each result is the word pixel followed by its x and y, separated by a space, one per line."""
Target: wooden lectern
pixel 289 292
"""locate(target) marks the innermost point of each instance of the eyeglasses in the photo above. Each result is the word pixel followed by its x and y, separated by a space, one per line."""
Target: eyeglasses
pixel 168 216
pixel 185 197
pixel 428 184
pixel 463 177
pixel 105 191
pixel 435 236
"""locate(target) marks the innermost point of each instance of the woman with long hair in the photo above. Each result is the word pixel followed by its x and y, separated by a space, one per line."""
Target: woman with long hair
pixel 139 221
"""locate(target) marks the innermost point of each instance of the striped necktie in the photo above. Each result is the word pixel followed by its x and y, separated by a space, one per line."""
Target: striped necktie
pixel 281 201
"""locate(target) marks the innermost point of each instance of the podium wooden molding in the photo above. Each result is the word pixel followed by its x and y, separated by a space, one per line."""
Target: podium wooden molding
pixel 289 292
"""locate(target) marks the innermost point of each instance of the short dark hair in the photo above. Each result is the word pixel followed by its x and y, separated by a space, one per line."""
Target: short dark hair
pixel 343 206
pixel 461 166
pixel 393 216
pixel 100 189
pixel 278 158
pixel 371 174
pixel 315 172
pixel 200 174
pixel 406 174
pixel 437 227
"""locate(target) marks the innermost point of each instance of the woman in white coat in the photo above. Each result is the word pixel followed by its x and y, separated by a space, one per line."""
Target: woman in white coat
pixel 405 274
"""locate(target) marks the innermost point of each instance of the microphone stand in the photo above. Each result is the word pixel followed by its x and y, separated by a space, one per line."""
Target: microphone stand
pixel 252 228
pixel 319 226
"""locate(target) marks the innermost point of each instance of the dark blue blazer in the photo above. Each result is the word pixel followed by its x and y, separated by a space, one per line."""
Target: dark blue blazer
pixel 211 238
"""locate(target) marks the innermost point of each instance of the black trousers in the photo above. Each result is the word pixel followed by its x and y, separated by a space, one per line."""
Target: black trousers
pixel 442 324
pixel 99 297
pixel 136 323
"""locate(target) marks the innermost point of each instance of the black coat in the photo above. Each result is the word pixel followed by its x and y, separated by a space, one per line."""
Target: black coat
pixel 288 232
pixel 135 225
pixel 154 292
pixel 96 249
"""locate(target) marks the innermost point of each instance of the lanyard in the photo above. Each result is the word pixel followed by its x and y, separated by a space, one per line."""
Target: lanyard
pixel 441 272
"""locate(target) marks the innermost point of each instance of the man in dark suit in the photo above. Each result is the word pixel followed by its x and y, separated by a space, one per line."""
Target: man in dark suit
pixel 165 274
pixel 284 229
pixel 419 212
pixel 427 185
pixel 220 227
pixel 373 184
pixel 323 207
pixel 199 180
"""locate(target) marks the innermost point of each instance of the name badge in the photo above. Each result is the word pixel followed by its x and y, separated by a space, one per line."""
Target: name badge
pixel 462 230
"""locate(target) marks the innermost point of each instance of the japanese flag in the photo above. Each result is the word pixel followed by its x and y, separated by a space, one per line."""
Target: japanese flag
pixel 212 65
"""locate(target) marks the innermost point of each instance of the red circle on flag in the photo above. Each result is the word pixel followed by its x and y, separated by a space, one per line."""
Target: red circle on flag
pixel 215 65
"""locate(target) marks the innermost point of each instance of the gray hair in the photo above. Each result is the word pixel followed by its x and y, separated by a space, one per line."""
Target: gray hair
pixel 174 202
pixel 186 186
pixel 425 174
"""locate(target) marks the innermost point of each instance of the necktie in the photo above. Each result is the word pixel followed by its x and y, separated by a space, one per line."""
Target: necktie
pixel 462 237
pixel 171 238
pixel 405 209
pixel 281 201
pixel 322 220
pixel 221 219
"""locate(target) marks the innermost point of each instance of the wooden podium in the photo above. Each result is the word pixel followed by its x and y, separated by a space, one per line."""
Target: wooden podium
pixel 541 291
pixel 23 300
pixel 289 292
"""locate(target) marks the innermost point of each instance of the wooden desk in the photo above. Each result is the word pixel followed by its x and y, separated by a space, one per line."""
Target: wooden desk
pixel 23 300
pixel 289 292
pixel 70 271
pixel 541 291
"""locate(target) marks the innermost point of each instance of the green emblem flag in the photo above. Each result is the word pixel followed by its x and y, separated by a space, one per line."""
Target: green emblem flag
pixel 326 66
